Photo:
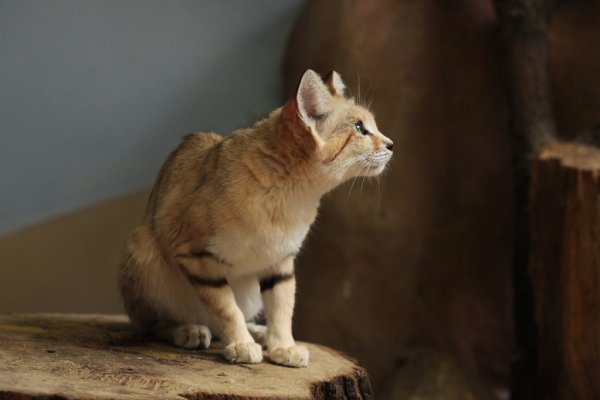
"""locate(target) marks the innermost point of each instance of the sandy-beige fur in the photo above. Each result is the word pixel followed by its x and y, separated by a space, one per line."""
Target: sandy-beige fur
pixel 227 216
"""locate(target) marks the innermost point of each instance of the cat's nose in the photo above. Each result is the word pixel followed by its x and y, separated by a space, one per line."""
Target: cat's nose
pixel 390 146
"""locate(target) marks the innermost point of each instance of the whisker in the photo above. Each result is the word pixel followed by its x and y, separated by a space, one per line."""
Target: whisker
pixel 358 90
pixel 342 162
pixel 369 102
pixel 374 94
pixel 340 166
pixel 358 175
pixel 350 91
pixel 362 182
pixel 380 183
pixel 351 186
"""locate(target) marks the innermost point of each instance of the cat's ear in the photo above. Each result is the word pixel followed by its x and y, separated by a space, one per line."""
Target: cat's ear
pixel 335 84
pixel 313 97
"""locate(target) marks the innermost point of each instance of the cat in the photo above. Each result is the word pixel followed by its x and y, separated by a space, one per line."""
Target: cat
pixel 228 215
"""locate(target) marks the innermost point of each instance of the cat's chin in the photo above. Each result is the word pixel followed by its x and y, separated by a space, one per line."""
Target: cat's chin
pixel 375 169
pixel 367 171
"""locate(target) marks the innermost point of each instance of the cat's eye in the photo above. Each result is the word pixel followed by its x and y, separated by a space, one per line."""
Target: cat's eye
pixel 361 128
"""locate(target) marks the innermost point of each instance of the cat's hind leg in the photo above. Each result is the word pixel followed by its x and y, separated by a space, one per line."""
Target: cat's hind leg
pixel 158 298
pixel 258 333
pixel 187 336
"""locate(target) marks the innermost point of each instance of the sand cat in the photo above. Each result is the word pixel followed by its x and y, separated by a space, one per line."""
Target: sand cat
pixel 228 215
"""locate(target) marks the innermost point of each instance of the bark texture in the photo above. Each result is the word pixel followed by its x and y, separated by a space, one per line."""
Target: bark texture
pixel 565 267
pixel 101 357
pixel 523 26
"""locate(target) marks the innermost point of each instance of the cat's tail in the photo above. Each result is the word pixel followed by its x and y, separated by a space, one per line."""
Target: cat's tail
pixel 153 291
pixel 136 274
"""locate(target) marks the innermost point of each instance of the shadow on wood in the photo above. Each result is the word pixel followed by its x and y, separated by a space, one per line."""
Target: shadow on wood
pixel 100 357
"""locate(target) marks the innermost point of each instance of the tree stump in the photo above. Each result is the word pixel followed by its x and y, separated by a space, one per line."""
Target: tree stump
pixel 565 269
pixel 101 356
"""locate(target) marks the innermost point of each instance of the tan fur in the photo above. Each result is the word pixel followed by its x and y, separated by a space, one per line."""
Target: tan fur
pixel 227 212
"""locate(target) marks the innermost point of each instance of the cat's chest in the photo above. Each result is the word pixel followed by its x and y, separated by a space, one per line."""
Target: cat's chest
pixel 251 246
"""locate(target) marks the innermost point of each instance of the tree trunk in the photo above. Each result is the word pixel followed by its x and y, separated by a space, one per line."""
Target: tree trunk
pixel 565 267
pixel 102 357
pixel 523 26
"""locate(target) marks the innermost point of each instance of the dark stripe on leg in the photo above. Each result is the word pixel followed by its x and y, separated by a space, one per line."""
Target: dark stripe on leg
pixel 216 283
pixel 269 282
pixel 205 253
pixel 202 253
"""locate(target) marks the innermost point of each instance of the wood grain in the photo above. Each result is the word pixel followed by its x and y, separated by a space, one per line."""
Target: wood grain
pixel 565 270
pixel 102 357
pixel 523 36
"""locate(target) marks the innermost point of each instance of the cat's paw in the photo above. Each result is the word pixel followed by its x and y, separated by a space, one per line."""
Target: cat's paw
pixel 192 336
pixel 243 353
pixel 293 356
pixel 258 333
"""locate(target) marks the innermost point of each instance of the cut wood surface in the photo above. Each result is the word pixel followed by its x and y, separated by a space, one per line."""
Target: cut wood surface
pixel 565 270
pixel 103 356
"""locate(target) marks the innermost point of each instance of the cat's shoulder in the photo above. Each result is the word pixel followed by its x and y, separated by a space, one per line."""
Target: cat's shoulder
pixel 192 150
pixel 201 140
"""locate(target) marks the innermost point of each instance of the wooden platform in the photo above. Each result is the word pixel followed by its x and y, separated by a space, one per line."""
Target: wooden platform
pixel 102 357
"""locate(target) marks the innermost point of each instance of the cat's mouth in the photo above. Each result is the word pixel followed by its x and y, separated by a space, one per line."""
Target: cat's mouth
pixel 378 162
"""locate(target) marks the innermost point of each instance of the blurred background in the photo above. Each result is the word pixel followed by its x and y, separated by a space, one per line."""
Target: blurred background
pixel 415 268
pixel 93 97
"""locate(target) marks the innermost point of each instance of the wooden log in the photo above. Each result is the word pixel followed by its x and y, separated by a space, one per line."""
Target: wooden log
pixel 565 270
pixel 100 357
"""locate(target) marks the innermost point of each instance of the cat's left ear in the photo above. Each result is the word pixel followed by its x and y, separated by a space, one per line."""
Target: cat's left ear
pixel 335 84
pixel 313 98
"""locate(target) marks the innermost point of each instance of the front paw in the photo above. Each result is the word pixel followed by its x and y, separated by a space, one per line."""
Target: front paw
pixel 293 356
pixel 243 353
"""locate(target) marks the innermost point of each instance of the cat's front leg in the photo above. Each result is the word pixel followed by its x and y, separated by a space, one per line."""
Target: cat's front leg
pixel 238 344
pixel 278 288
pixel 218 299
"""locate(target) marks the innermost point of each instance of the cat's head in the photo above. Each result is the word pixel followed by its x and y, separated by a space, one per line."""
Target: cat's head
pixel 343 134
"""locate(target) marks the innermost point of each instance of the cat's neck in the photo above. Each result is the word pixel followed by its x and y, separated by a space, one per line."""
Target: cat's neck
pixel 282 159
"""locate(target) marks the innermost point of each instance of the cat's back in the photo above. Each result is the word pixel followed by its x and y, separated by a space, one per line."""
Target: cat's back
pixel 184 169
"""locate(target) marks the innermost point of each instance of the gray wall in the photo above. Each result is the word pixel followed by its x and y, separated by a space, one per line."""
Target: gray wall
pixel 94 94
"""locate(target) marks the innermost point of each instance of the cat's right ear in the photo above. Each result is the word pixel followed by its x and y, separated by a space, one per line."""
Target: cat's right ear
pixel 336 85
pixel 313 98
